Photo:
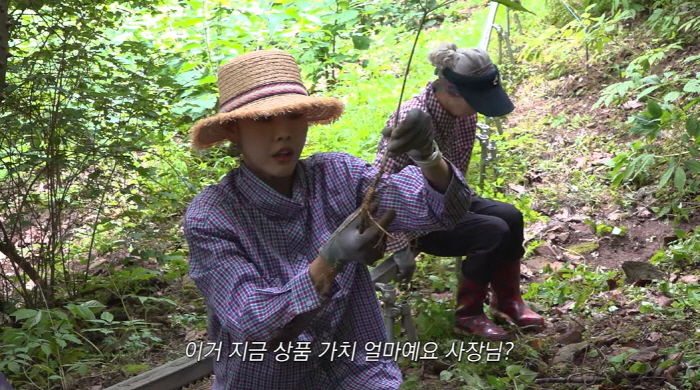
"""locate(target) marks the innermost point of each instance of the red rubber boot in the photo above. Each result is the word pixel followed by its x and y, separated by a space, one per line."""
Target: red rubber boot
pixel 506 298
pixel 471 319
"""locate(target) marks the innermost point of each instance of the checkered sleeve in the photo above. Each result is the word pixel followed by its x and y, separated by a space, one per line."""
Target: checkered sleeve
pixel 419 207
pixel 246 305
pixel 464 136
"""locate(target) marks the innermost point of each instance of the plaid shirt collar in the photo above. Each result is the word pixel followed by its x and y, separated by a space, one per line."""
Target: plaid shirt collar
pixel 269 201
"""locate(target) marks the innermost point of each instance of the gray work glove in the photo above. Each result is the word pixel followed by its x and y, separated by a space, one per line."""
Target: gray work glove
pixel 413 136
pixel 406 264
pixel 361 241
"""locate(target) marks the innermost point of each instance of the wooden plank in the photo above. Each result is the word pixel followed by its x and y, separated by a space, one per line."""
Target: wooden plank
pixel 170 376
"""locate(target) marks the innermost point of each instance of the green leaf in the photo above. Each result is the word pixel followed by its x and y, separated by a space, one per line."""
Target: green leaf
pixel 679 179
pixel 36 319
pixel 692 126
pixel 13 366
pixel 654 109
pixel 107 317
pixel 22 314
pixel 72 338
pixel 693 165
pixel 347 16
pixel 361 42
pixel 445 375
pixel 671 96
pixel 680 233
pixel 640 368
pixel 692 86
pixel 666 176
pixel 46 349
pixel 618 359
pixel 513 370
pixel 93 303
pixel 514 5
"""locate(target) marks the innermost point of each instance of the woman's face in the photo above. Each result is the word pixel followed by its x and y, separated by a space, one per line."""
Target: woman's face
pixel 271 147
pixel 452 101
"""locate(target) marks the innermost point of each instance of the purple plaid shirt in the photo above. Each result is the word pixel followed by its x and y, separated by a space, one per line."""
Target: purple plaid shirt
pixel 250 250
pixel 454 136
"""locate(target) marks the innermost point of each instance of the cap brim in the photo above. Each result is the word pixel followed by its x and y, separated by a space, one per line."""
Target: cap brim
pixel 318 110
pixel 485 94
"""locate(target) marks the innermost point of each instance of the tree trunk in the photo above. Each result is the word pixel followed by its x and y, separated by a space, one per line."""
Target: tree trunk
pixel 4 46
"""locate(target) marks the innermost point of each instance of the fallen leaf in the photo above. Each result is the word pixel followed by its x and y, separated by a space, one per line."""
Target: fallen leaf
pixel 575 218
pixel 569 352
pixel 195 335
pixel 562 215
pixel 556 228
pixel 546 250
pixel 645 354
pixel 556 265
pixel 614 216
pixel 612 283
pixel 615 295
pixel 526 271
pixel 663 301
pixel 536 344
pixel 641 283
pixel 643 212
pixel 563 237
pixel 655 336
pixel 574 259
pixel 573 335
pixel 632 104
pixel 517 188
pixel 671 373
pixel 537 263
pixel 668 240
pixel 607 340
pixel 446 296
pixel 690 279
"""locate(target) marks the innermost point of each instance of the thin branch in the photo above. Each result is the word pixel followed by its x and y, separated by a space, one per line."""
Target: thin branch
pixel 97 222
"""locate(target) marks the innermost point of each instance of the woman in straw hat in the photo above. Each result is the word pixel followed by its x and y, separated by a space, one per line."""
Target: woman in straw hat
pixel 490 236
pixel 267 245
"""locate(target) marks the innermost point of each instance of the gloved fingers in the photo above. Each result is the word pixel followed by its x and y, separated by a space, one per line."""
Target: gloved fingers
pixel 374 206
pixel 355 221
pixel 387 131
pixel 405 143
pixel 374 229
pixel 416 119
pixel 366 220
pixel 387 218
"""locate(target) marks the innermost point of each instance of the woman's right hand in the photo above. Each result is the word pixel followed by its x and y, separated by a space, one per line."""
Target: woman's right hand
pixel 361 241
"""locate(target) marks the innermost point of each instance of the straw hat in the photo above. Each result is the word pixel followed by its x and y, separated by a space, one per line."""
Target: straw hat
pixel 260 84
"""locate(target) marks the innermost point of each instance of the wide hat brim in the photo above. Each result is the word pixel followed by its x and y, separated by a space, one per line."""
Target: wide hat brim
pixel 317 110
pixel 485 93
